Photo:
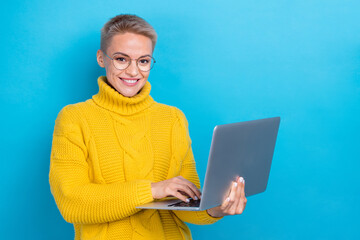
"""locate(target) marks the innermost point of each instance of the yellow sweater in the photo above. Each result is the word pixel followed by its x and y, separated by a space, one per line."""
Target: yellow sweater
pixel 106 152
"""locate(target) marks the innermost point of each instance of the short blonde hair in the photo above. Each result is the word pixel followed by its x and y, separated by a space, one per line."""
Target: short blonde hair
pixel 124 23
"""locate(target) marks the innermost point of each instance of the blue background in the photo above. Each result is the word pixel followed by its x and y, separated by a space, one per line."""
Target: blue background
pixel 218 61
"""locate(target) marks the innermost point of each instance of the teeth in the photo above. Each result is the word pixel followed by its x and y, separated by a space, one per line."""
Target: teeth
pixel 130 81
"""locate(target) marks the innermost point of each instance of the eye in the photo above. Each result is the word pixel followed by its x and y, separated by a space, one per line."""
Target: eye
pixel 120 59
pixel 144 61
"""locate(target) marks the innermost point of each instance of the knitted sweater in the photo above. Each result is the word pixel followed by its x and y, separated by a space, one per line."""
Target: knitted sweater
pixel 105 154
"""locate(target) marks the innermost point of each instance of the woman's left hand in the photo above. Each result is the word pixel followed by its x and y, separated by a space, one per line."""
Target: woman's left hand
pixel 234 204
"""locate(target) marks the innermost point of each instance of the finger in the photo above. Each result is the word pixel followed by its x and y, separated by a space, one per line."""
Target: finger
pixel 239 189
pixel 243 189
pixel 193 196
pixel 183 193
pixel 241 205
pixel 180 196
pixel 191 191
pixel 229 208
pixel 184 190
pixel 244 196
pixel 175 189
pixel 225 203
pixel 193 188
pixel 245 202
pixel 232 210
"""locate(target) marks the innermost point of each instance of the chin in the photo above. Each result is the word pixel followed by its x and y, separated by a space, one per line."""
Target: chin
pixel 130 94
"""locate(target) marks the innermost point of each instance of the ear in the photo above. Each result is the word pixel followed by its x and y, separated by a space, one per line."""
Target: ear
pixel 100 58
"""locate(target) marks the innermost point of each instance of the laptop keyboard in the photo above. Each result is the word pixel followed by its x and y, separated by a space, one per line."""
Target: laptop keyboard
pixel 192 203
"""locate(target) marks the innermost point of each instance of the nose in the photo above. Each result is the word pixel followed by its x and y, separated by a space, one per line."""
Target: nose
pixel 132 70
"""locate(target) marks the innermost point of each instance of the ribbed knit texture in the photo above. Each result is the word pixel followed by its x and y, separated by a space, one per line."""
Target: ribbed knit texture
pixel 106 152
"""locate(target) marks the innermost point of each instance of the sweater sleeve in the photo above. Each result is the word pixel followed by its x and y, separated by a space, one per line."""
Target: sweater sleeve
pixel 78 198
pixel 188 171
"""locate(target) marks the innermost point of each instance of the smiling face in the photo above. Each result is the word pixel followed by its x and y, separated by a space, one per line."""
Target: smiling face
pixel 135 46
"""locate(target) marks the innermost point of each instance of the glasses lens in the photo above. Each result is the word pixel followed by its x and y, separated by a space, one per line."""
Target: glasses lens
pixel 145 63
pixel 121 62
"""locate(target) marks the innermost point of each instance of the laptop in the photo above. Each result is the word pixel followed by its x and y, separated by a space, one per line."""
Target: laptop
pixel 242 149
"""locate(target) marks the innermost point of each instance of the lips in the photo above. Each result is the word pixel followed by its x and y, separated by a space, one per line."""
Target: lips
pixel 130 81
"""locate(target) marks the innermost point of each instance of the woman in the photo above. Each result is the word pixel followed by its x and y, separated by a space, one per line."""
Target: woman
pixel 122 149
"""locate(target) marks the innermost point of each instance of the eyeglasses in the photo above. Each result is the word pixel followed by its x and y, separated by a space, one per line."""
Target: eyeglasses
pixel 122 61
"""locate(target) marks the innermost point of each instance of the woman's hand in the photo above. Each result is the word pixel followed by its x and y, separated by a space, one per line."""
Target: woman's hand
pixel 234 204
pixel 178 187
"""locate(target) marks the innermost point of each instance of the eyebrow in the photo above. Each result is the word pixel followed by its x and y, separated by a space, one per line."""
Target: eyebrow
pixel 129 56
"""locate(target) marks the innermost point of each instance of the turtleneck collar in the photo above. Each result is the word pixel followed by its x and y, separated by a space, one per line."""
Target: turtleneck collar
pixel 114 101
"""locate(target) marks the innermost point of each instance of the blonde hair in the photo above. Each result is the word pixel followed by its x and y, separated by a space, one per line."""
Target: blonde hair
pixel 124 23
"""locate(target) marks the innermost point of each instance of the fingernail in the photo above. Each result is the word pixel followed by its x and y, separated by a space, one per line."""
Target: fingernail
pixel 242 180
pixel 235 184
pixel 196 198
pixel 187 200
pixel 228 199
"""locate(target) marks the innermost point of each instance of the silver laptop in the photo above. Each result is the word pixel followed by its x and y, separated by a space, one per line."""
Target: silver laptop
pixel 238 149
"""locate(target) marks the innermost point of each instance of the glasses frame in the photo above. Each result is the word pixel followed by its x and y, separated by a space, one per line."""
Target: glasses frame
pixel 136 60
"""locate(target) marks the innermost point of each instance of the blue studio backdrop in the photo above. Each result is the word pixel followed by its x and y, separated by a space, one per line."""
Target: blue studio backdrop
pixel 219 62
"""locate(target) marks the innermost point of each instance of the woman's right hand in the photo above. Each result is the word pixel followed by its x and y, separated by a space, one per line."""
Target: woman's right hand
pixel 178 187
